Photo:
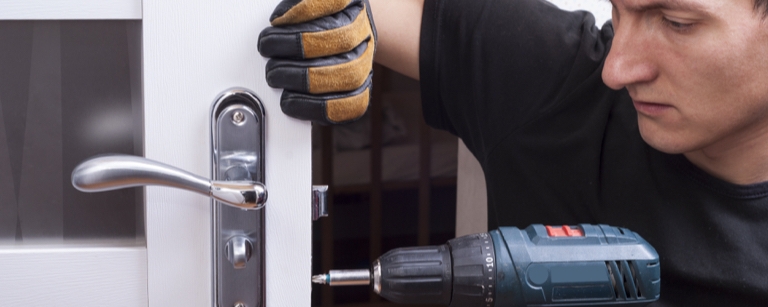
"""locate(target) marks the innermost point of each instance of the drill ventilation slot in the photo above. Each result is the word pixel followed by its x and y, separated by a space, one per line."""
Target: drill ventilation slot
pixel 624 279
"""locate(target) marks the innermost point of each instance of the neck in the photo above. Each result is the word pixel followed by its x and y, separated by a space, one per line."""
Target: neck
pixel 741 159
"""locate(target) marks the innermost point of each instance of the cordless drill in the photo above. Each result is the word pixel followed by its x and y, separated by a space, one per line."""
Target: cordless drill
pixel 540 265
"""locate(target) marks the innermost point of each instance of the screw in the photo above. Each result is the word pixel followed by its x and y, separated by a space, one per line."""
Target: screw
pixel 238 118
pixel 239 304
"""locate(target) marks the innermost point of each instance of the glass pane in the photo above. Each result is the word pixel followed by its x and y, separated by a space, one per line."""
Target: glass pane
pixel 68 90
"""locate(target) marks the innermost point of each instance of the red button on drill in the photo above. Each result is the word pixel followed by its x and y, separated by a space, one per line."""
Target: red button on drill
pixel 564 231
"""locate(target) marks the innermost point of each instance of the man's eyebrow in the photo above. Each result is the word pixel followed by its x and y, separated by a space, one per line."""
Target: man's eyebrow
pixel 677 5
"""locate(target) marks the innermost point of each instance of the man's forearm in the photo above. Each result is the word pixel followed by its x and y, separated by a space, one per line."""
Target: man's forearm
pixel 398 24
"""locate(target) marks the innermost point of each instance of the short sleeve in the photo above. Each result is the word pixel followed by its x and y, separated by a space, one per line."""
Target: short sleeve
pixel 487 67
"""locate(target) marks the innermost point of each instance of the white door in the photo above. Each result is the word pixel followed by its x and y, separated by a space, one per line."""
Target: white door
pixel 170 59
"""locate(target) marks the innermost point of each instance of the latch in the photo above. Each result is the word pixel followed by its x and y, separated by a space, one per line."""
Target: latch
pixel 319 201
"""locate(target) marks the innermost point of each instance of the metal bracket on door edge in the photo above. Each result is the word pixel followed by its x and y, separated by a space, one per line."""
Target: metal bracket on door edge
pixel 237 138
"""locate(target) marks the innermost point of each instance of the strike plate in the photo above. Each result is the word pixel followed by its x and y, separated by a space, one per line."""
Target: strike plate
pixel 237 132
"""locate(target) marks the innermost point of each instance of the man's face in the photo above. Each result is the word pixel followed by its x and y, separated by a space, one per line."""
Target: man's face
pixel 697 71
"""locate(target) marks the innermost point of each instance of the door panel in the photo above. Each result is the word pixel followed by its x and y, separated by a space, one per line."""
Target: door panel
pixel 69 90
pixel 73 275
pixel 193 50
pixel 190 51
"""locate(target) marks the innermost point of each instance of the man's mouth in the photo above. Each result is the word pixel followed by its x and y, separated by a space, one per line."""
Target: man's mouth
pixel 651 108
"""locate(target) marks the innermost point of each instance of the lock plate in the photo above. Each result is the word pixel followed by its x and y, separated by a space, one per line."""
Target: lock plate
pixel 237 132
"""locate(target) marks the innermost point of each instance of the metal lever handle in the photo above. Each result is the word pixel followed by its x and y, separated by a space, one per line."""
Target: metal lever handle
pixel 112 172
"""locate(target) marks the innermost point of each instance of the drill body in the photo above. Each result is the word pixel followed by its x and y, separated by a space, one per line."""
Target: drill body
pixel 601 265
pixel 583 265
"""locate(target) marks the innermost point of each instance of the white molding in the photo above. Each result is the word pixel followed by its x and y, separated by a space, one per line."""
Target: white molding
pixel 69 9
pixel 57 275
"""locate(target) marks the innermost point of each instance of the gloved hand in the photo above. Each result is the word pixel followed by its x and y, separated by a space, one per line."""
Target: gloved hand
pixel 322 55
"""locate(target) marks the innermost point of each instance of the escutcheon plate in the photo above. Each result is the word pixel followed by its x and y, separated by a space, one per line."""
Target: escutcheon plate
pixel 237 137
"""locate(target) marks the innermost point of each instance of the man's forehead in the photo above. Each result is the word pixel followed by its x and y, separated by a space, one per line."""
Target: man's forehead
pixel 644 5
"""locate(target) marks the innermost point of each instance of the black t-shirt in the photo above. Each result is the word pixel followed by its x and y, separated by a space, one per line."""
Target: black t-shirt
pixel 520 82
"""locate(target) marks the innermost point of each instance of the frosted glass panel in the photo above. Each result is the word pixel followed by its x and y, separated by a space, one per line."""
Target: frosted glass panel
pixel 68 90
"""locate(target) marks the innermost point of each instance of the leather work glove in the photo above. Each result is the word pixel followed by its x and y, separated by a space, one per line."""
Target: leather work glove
pixel 322 55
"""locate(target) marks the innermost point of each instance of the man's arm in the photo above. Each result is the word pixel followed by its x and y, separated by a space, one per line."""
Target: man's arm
pixel 398 25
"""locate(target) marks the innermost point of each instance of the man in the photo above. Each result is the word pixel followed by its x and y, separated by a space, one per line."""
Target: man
pixel 658 122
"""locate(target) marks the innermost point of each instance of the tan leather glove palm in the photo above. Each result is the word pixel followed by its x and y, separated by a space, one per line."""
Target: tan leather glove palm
pixel 322 55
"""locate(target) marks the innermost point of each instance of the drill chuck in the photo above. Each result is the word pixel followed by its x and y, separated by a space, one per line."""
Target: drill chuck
pixel 458 273
pixel 414 275
pixel 540 265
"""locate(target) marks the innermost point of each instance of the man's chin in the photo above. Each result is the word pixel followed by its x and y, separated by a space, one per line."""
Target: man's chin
pixel 664 141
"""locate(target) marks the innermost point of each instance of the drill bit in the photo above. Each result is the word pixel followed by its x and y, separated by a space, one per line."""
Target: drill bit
pixel 344 278
pixel 320 279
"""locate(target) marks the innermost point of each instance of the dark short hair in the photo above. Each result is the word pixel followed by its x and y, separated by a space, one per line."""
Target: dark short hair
pixel 762 7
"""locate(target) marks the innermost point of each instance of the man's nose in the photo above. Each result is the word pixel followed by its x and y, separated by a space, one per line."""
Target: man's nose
pixel 630 60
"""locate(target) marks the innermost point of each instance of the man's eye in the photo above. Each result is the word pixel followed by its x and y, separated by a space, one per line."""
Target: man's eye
pixel 676 25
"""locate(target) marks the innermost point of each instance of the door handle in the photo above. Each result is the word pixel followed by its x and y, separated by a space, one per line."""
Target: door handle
pixel 236 188
pixel 112 172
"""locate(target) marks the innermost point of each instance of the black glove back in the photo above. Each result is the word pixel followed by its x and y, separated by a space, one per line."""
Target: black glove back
pixel 322 55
